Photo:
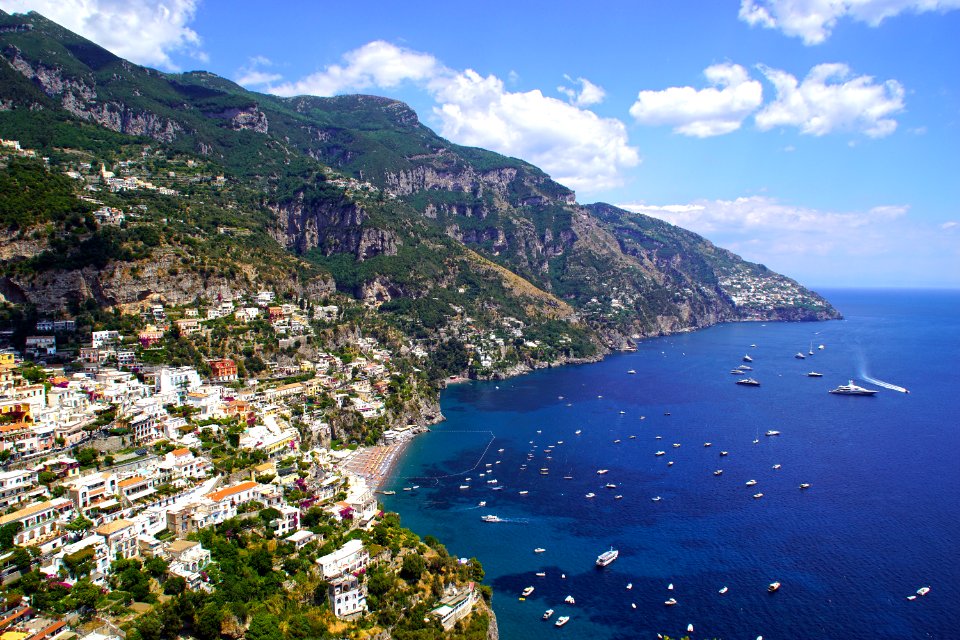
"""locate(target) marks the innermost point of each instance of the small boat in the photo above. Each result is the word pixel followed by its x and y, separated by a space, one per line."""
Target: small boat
pixel 708 444
pixel 736 372
pixel 610 485
pixel 660 453
pixel 389 493
pixel 753 346
pixel 601 472
pixel 633 605
pixel 670 587
pixel 814 374
pixel 568 477
pixel 744 367
pixel 657 498
pixel 776 466
pixel 805 485
pixel 821 347
pixel 547 614
pixel 631 372
pixel 577 432
pixel 772 432
pixel 750 483
pixel 670 602
pixel 633 437
pixel 607 557
pixel 747 358
pixel 482 503
pixel 723 590
pixel 799 356
pixel 690 628
pixel 570 600
pixel 757 496
pixel 618 497
pixel 590 495
pixel 658 438
pixel 774 586
pixel 670 464
pixel 527 591
pixel 464 486
pixel 922 591
pixel 500 488
pixel 629 586
pixel 407 489
pixel 491 518
pixel 911 597
pixel 748 382
pixel 718 472
pixel 724 453
pixel 416 486
pixel 539 550
pixel 541 574
pixel 562 620
pixel 676 445
pixel 500 450
pixel 523 493
pixel 617 441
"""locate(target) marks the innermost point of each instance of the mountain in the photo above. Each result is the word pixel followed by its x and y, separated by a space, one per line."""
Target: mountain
pixel 319 197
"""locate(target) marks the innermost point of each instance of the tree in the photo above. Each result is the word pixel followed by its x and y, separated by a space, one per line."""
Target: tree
pixel 174 586
pixel 7 533
pixel 413 567
pixel 264 626
pixel 79 524
pixel 156 567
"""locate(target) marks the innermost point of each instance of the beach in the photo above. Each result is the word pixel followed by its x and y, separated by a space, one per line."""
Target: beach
pixel 374 464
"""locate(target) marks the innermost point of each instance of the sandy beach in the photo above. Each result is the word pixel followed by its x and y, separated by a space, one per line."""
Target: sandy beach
pixel 374 464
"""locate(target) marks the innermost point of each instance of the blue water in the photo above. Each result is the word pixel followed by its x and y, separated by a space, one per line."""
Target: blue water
pixel 880 520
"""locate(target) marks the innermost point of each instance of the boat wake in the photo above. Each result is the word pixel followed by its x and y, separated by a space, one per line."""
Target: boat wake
pixel 885 385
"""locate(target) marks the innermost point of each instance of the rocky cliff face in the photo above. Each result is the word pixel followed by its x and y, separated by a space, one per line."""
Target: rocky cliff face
pixel 332 226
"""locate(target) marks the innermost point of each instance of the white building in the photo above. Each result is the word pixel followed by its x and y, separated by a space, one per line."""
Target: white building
pixel 348 596
pixel 350 558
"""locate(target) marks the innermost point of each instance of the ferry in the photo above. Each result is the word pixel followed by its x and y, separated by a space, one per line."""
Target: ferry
pixel 492 518
pixel 547 614
pixel 851 389
pixel 526 592
pixel 607 557
pixel 562 620
pixel 748 382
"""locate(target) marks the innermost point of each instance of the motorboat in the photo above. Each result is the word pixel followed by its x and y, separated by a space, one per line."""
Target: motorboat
pixel 805 485
pixel 491 518
pixel 527 591
pixel 541 574
pixel 922 591
pixel 670 464
pixel 570 600
pixel 745 367
pixel 629 586
pixel 750 483
pixel 670 602
pixel 607 557
pixel 747 358
pixel 590 495
pixel 676 445
pixel 774 586
pixel 748 382
pixel 708 444
pixel 610 485
pixel 736 372
pixel 718 472
pixel 657 498
pixel 851 389
pixel 776 466
pixel 547 614
pixel 601 472
pixel 799 356
pixel 723 590
pixel 618 497
pixel 464 486
pixel 523 493
pixel 631 372
pixel 814 374
pixel 670 587
pixel 562 620
pixel 539 550
pixel 757 496
pixel 482 503
pixel 660 453
pixel 772 432
pixel 724 453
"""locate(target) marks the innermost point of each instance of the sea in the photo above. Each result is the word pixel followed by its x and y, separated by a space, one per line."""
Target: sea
pixel 880 519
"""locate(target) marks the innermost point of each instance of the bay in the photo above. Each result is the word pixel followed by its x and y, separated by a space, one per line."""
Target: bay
pixel 879 520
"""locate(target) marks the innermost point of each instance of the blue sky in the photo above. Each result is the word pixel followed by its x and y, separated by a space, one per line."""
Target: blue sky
pixel 819 137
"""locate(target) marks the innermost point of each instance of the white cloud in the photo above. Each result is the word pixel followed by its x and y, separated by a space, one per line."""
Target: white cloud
pixel 139 30
pixel 588 93
pixel 574 145
pixel 252 74
pixel 814 20
pixel 829 99
pixel 950 224
pixel 713 111
pixel 848 248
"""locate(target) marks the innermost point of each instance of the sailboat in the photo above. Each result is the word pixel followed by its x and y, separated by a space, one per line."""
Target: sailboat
pixel 811 348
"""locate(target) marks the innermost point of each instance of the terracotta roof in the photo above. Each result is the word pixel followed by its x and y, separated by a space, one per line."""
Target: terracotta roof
pixel 131 481
pixel 113 527
pixel 217 496
pixel 180 452
pixel 26 511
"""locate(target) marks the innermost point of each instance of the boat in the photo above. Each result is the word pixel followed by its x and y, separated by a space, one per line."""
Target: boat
pixel 660 453
pixel 745 367
pixel 491 518
pixel 600 472
pixel 774 586
pixel 718 472
pixel 922 591
pixel 676 445
pixel 500 488
pixel 723 590
pixel 590 495
pixel 500 450
pixel 670 587
pixel 736 372
pixel 690 628
pixel 810 352
pixel 547 614
pixel 610 485
pixel 464 486
pixel 631 372
pixel 633 437
pixel 523 493
pixel 821 347
pixel 389 493
pixel 544 471
pixel 753 346
pixel 724 453
pixel 670 464
pixel 527 591
pixel 607 557
pixel 757 496
pixel 539 550
pixel 416 486
pixel 748 382
pixel 658 438
pixel 494 481
pixel 570 600
pixel 747 358
pixel 482 503
pixel 562 620
pixel 911 597
pixel 407 489
pixel 851 389
pixel 708 444
pixel 776 466
pixel 750 483
pixel 541 574
pixel 799 356
pixel 805 485
pixel 629 586
pixel 657 498
pixel 568 477
pixel 577 432
pixel 814 374
pixel 670 602
pixel 772 432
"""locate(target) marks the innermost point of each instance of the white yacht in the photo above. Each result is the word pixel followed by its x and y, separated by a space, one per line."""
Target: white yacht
pixel 562 620
pixel 851 389
pixel 547 614
pixel 527 591
pixel 491 518
pixel 607 557
pixel 750 483
pixel 570 600
pixel 772 432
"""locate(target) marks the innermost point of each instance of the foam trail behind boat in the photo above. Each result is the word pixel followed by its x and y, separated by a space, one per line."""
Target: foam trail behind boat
pixel 885 385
